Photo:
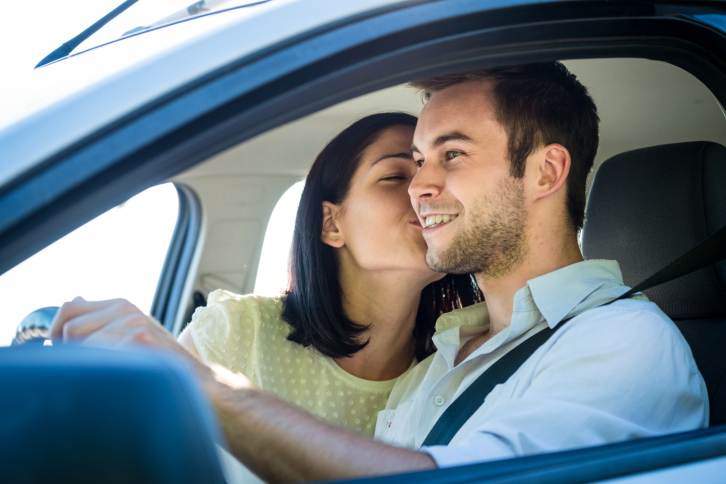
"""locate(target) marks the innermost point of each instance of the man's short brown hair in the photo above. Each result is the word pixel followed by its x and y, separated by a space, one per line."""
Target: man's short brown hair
pixel 539 104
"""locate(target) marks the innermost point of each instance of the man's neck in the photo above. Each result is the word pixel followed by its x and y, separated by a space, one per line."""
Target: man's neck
pixel 499 291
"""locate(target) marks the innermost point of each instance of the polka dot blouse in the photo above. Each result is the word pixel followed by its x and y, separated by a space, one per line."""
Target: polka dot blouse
pixel 247 335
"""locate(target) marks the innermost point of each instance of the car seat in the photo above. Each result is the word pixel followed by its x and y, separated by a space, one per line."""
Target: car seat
pixel 646 208
pixel 71 414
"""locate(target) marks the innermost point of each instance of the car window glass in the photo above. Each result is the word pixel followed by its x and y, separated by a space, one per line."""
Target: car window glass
pixel 154 14
pixel 272 271
pixel 119 254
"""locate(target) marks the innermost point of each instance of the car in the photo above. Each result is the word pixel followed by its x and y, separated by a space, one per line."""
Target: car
pixel 232 106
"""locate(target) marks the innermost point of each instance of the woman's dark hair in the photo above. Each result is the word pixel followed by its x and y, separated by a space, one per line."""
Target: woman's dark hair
pixel 313 301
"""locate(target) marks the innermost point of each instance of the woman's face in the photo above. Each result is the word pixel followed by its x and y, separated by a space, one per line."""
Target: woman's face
pixel 379 227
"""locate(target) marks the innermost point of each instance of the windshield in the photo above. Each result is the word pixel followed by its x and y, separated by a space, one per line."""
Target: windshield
pixel 154 13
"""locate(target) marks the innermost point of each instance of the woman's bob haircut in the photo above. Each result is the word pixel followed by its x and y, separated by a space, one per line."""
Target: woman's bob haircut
pixel 313 300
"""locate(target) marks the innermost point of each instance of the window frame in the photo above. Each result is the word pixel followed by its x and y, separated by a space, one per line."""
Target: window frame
pixel 171 289
pixel 331 65
pixel 589 464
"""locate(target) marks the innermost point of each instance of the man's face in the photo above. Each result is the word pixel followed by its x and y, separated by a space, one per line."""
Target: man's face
pixel 464 177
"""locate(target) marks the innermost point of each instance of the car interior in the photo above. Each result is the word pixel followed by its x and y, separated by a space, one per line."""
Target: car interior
pixel 642 103
pixel 656 190
pixel 646 208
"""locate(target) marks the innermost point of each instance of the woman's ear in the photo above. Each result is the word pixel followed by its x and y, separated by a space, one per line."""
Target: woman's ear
pixel 331 233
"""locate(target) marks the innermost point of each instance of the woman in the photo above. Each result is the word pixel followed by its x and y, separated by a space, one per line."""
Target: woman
pixel 361 303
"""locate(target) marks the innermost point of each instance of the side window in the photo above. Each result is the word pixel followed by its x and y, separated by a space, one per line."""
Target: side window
pixel 272 271
pixel 119 254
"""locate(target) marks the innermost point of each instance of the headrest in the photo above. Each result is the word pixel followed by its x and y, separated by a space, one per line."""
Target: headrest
pixel 70 414
pixel 648 207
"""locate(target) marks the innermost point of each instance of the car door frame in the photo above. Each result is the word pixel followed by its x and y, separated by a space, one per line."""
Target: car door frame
pixel 339 62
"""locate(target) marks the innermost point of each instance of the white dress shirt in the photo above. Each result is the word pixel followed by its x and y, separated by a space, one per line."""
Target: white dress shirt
pixel 612 373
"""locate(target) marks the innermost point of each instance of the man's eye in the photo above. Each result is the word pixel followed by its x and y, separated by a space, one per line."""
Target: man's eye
pixel 394 177
pixel 418 163
pixel 451 154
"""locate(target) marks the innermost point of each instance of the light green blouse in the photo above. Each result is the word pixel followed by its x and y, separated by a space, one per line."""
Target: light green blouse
pixel 247 335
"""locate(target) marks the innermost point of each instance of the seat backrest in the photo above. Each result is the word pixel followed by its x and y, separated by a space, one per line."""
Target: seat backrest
pixel 88 415
pixel 646 208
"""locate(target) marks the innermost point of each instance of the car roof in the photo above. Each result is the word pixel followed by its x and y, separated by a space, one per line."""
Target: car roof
pixel 74 96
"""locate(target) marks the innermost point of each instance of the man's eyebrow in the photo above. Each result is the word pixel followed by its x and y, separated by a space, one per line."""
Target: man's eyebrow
pixel 404 155
pixel 453 136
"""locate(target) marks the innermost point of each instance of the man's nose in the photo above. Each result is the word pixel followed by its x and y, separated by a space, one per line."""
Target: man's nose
pixel 426 183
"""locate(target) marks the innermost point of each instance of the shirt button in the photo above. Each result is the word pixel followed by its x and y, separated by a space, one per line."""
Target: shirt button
pixel 439 400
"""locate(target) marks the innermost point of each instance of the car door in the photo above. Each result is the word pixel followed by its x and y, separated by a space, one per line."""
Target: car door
pixel 372 49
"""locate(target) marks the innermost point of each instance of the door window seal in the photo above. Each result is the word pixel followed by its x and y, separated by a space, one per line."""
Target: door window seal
pixel 170 288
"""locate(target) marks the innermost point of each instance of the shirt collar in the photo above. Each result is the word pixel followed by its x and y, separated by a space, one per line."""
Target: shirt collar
pixel 552 298
pixel 566 292
pixel 474 315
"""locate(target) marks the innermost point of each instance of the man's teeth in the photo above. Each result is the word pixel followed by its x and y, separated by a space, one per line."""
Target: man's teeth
pixel 435 220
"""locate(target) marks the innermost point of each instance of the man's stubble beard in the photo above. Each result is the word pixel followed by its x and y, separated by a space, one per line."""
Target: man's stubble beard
pixel 494 241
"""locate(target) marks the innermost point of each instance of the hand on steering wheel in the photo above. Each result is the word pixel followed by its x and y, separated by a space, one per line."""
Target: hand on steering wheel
pixel 113 323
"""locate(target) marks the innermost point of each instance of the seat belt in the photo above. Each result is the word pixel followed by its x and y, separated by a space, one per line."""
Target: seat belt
pixel 710 251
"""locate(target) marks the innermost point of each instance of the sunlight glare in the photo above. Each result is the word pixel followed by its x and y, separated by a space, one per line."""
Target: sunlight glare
pixel 272 271
pixel 117 255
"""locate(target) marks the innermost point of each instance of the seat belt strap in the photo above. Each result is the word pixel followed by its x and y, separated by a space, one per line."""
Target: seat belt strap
pixel 708 252
pixel 472 398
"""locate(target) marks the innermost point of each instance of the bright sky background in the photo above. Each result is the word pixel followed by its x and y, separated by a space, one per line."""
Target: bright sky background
pixel 121 253
pixel 272 271
pixel 32 29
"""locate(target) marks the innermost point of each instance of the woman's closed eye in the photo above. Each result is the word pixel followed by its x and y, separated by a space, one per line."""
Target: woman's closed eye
pixel 395 177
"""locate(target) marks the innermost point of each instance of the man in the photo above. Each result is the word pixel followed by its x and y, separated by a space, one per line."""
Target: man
pixel 504 155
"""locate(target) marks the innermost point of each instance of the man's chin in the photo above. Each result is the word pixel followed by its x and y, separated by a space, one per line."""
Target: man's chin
pixel 452 261
pixel 437 263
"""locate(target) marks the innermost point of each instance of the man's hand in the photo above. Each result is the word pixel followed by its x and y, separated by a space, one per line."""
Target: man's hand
pixel 113 323
pixel 276 441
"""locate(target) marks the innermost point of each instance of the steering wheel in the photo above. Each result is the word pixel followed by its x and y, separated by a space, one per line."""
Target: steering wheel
pixel 34 329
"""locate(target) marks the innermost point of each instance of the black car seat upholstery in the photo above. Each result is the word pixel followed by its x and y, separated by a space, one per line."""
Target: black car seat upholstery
pixel 70 414
pixel 646 208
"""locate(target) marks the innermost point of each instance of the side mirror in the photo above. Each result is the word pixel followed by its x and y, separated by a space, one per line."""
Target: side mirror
pixel 34 329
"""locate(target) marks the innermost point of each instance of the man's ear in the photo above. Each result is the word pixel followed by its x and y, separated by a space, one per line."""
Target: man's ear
pixel 331 233
pixel 553 166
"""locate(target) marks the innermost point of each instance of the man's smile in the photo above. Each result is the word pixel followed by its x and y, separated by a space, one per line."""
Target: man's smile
pixel 434 220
